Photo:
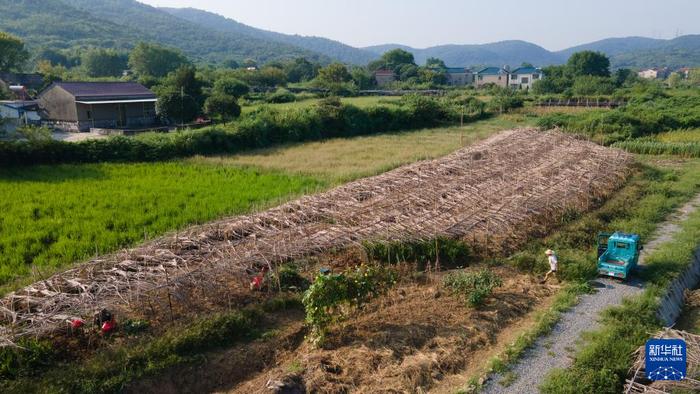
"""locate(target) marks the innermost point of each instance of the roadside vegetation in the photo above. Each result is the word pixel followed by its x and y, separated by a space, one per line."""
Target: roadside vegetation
pixel 603 362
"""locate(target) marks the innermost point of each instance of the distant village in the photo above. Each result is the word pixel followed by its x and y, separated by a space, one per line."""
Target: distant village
pixel 107 106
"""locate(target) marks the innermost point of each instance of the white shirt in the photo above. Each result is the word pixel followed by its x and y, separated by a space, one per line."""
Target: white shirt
pixel 553 262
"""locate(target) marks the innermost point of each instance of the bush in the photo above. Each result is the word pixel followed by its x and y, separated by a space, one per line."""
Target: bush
pixel 30 356
pixel 34 133
pixel 262 128
pixel 352 288
pixel 281 96
pixel 474 286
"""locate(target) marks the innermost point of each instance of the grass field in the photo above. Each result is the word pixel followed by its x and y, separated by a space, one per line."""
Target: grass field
pixel 364 101
pixel 344 159
pixel 55 215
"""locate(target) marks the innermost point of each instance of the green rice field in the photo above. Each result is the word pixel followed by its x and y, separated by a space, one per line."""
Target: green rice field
pixel 56 215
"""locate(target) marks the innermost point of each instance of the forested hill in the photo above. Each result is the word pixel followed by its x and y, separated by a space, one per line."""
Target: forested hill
pixel 633 52
pixel 332 49
pixel 123 23
pixel 500 53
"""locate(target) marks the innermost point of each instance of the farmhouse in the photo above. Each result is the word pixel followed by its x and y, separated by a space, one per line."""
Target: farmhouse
pixel 491 75
pixel 384 77
pixel 524 77
pixel 81 106
pixel 457 76
pixel 29 81
pixel 654 73
pixel 16 114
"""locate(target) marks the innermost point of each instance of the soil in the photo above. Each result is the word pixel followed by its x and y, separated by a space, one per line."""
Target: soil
pixel 418 337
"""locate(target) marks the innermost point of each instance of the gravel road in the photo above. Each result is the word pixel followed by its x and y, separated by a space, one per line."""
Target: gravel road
pixel 557 349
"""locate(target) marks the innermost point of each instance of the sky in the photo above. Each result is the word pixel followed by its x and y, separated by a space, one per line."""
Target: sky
pixel 553 24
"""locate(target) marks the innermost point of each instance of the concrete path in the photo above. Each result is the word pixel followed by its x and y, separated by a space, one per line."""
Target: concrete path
pixel 557 349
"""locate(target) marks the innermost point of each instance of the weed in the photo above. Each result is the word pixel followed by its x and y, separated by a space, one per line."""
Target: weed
pixel 474 286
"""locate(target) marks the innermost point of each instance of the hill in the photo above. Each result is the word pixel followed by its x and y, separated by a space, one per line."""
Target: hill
pixel 512 53
pixel 330 48
pixel 634 52
pixel 122 23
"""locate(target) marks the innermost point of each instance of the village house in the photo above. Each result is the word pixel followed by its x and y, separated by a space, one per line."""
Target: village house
pixel 654 73
pixel 28 81
pixel 491 75
pixel 384 77
pixel 82 106
pixel 15 114
pixel 459 76
pixel 524 77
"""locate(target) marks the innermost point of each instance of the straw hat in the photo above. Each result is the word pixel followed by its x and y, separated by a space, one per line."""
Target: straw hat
pixel 549 252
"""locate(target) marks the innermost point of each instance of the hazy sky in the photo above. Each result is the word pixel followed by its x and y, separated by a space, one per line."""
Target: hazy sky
pixel 554 24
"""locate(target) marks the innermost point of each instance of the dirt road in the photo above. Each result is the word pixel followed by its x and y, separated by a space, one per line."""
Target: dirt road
pixel 557 349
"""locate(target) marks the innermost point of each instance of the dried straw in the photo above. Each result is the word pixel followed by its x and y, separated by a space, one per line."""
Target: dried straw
pixel 494 194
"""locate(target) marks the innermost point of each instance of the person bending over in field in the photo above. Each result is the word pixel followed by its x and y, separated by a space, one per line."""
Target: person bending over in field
pixel 553 264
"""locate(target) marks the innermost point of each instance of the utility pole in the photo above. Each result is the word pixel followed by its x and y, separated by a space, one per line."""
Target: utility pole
pixel 182 107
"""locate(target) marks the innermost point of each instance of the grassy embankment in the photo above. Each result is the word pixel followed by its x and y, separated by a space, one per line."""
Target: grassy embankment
pixel 653 193
pixel 603 362
pixel 56 215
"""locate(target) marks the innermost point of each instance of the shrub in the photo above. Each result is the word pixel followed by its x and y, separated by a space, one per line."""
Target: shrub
pixel 281 96
pixel 26 359
pixel 473 286
pixel 449 252
pixel 352 288
pixel 262 128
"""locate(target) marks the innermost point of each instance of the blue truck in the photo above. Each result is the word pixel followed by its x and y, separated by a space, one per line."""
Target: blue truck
pixel 618 254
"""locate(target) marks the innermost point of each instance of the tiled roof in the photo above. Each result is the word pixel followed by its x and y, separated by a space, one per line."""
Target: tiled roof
pixel 102 90
pixel 526 70
pixel 492 71
pixel 457 70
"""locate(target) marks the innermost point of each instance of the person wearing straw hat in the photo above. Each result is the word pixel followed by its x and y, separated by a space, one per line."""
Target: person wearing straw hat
pixel 553 264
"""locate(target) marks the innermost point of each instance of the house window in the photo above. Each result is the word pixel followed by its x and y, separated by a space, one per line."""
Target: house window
pixel 499 77
pixel 514 77
pixel 525 80
pixel 89 114
pixel 481 77
pixel 535 76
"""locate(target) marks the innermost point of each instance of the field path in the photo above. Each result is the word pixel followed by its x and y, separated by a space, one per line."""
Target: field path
pixel 557 349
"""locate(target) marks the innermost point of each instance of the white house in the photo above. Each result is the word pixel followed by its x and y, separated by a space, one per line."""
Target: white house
pixel 459 76
pixel 524 77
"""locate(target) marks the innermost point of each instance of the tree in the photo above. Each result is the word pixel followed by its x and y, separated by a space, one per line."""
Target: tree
pixel 300 70
pixel 98 62
pixel 266 77
pixel 334 73
pixel 174 104
pixel 433 76
pixel 54 57
pixel 407 71
pixel 155 60
pixel 223 107
pixel 180 95
pixel 434 62
pixel 361 77
pixel 398 57
pixel 624 76
pixel 674 80
pixel 526 65
pixel 694 77
pixel 588 85
pixel 230 63
pixel 231 86
pixel 12 52
pixel 589 63
pixel 250 63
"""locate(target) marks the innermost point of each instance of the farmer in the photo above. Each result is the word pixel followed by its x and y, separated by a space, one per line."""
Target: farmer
pixel 553 264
